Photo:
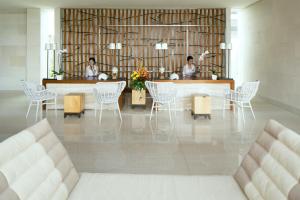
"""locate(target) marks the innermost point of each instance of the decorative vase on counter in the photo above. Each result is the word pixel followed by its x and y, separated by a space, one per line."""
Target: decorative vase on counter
pixel 214 77
pixel 60 77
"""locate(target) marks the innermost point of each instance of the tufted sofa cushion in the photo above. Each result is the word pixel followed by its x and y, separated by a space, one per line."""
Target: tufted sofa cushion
pixel 271 169
pixel 35 165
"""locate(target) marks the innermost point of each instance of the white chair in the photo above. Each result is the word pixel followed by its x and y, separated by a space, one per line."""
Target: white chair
pixel 38 95
pixel 162 93
pixel 242 97
pixel 108 93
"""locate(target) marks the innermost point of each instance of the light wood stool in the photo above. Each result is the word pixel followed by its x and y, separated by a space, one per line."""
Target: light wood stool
pixel 74 104
pixel 201 106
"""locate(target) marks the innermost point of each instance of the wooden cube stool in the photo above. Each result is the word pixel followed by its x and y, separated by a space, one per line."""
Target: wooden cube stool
pixel 201 106
pixel 74 104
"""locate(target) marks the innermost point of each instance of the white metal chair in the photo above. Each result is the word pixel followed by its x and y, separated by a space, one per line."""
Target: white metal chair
pixel 38 95
pixel 242 96
pixel 162 93
pixel 108 93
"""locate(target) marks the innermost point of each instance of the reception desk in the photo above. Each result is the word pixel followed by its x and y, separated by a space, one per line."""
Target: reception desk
pixel 82 85
pixel 186 88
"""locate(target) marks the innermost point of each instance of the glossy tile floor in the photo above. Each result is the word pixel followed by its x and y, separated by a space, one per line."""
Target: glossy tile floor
pixel 186 146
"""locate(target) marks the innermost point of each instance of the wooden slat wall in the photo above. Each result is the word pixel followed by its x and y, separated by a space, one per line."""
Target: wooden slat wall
pixel 87 33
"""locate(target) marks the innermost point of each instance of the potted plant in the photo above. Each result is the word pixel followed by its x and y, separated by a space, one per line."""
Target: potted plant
pixel 59 75
pixel 137 84
pixel 214 75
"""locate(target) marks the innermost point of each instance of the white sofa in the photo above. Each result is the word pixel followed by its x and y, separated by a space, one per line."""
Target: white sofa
pixel 35 165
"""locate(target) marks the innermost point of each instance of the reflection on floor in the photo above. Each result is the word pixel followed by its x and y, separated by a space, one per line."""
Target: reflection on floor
pixel 137 146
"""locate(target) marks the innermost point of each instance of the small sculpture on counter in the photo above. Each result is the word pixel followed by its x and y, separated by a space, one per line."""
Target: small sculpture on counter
pixel 114 72
pixel 161 72
pixel 174 76
pixel 102 76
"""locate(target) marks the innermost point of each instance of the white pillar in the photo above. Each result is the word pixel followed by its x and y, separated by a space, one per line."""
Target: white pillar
pixel 228 38
pixel 57 30
pixel 33 45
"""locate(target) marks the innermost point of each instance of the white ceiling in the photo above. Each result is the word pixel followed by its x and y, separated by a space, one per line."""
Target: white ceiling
pixel 4 4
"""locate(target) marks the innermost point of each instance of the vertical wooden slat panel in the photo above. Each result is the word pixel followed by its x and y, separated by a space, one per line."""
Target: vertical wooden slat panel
pixel 86 34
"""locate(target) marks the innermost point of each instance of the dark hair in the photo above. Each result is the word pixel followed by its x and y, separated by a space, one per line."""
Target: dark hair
pixel 189 58
pixel 93 59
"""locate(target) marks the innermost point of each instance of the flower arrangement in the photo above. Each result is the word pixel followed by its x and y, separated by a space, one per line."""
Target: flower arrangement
pixel 138 77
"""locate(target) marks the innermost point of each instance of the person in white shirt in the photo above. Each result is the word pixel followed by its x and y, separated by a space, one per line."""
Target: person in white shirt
pixel 91 70
pixel 189 69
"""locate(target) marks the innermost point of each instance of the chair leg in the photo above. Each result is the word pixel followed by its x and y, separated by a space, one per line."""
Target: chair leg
pixel 95 109
pixel 170 116
pixel 55 106
pixel 252 110
pixel 114 108
pixel 224 105
pixel 28 109
pixel 151 110
pixel 37 110
pixel 100 116
pixel 243 113
pixel 119 111
pixel 175 107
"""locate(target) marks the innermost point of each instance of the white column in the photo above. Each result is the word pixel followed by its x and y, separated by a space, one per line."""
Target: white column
pixel 47 32
pixel 33 45
pixel 228 37
pixel 57 30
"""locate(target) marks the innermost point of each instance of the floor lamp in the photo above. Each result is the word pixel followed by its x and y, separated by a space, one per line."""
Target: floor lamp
pixel 160 46
pixel 227 48
pixel 50 47
pixel 118 47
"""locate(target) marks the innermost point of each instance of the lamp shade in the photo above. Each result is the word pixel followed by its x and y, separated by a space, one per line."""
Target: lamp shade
pixel 222 46
pixel 228 46
pixel 50 46
pixel 112 46
pixel 158 46
pixel 164 45
pixel 118 45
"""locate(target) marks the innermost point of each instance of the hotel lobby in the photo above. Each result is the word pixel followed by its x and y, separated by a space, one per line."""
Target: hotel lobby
pixel 149 100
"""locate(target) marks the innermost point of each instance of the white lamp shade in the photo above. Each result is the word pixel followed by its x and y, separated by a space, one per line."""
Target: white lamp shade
pixel 158 46
pixel 222 46
pixel 206 52
pixel 112 46
pixel 118 45
pixel 164 45
pixel 229 46
pixel 50 46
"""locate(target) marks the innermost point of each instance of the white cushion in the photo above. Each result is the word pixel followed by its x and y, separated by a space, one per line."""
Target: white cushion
pixel 155 187
pixel 35 165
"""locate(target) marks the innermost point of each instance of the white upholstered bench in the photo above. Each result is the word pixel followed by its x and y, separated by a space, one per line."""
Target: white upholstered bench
pixel 34 165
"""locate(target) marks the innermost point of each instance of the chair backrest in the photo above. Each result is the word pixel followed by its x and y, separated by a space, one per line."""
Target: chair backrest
pixel 161 91
pixel 248 90
pixel 35 165
pixel 271 169
pixel 30 88
pixel 109 91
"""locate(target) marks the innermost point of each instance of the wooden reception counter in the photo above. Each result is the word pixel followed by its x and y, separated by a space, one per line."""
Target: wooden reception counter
pixel 83 85
pixel 186 88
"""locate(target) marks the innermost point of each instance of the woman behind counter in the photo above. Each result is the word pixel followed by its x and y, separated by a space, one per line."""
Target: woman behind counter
pixel 189 69
pixel 92 69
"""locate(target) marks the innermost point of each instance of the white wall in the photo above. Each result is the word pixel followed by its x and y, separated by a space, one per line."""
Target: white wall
pixel 12 48
pixel 270 47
